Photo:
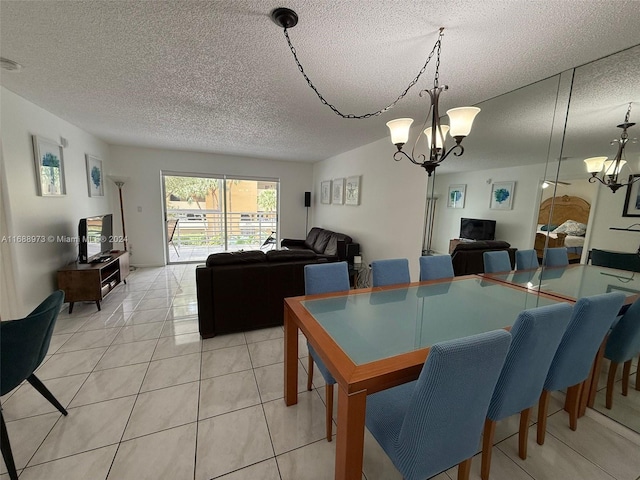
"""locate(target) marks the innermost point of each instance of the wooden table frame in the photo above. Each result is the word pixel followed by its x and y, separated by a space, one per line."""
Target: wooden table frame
pixel 355 382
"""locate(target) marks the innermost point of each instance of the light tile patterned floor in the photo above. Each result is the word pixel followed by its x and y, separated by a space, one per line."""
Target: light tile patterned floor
pixel 148 399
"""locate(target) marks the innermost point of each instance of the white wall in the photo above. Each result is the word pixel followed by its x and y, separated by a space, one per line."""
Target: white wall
pixel 608 213
pixel 142 194
pixel 34 265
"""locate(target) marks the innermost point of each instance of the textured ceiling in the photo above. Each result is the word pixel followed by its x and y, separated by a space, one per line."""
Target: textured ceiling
pixel 218 76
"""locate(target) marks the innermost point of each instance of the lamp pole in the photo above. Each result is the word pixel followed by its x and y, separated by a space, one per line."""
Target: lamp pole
pixel 120 184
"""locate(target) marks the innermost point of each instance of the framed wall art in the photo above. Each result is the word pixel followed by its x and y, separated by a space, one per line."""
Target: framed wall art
pixel 352 191
pixel 95 178
pixel 49 165
pixel 632 200
pixel 456 196
pixel 337 191
pixel 502 195
pixel 325 192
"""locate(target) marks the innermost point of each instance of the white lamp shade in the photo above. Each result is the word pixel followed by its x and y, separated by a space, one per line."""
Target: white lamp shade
pixel 439 139
pixel 610 167
pixel 461 120
pixel 399 129
pixel 595 164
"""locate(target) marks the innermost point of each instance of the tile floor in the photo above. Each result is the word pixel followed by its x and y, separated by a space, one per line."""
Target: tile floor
pixel 148 399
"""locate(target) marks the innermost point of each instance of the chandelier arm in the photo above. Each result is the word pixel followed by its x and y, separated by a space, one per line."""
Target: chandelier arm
pixel 400 154
pixel 457 146
pixel 366 115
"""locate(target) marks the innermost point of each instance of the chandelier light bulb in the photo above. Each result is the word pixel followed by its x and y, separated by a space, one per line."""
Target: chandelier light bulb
pixel 461 120
pixel 595 164
pixel 439 139
pixel 399 129
pixel 611 167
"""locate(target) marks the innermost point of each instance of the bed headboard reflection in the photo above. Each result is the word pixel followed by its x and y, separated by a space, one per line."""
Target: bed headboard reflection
pixel 565 208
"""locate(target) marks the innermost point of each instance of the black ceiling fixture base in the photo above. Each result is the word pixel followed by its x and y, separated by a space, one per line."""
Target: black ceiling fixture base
pixel 284 17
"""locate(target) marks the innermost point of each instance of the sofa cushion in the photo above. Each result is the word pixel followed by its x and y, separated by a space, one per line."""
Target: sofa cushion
pixel 322 240
pixel 289 255
pixel 332 245
pixel 232 258
pixel 311 237
pixel 482 245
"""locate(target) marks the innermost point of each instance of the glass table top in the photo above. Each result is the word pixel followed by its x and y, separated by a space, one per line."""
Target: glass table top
pixel 375 325
pixel 575 281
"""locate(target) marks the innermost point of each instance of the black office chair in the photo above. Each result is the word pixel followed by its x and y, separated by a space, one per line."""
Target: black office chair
pixel 23 346
pixel 619 260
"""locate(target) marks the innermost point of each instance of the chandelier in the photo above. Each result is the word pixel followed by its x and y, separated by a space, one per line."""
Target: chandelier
pixel 611 168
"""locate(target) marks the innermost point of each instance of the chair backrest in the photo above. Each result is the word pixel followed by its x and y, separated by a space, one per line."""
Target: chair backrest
pixel 621 261
pixel 497 261
pixel 435 267
pixel 390 272
pixel 624 340
pixel 526 259
pixel 555 257
pixel 24 342
pixel 591 319
pixel 326 278
pixel 535 337
pixel 171 228
pixel 447 409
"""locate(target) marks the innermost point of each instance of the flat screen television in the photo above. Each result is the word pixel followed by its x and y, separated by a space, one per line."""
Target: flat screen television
pixel 477 229
pixel 95 237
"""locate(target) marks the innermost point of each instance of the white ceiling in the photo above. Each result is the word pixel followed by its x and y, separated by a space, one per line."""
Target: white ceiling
pixel 218 76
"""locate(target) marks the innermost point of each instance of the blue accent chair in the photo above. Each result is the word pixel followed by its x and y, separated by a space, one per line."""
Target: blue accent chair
pixel 435 267
pixel 495 262
pixel 536 335
pixel 622 345
pixel 23 346
pixel 526 259
pixel 435 422
pixel 390 272
pixel 555 257
pixel 591 320
pixel 324 278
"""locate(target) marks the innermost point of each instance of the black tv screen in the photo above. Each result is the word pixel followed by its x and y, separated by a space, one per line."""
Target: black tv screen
pixel 477 229
pixel 95 237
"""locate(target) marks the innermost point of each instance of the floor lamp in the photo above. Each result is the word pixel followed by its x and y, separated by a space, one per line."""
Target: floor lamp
pixel 120 181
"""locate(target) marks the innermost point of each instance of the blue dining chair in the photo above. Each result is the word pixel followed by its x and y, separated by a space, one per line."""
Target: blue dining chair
pixel 495 262
pixel 555 257
pixel 536 335
pixel 390 272
pixel 590 321
pixel 23 346
pixel 622 345
pixel 435 422
pixel 324 278
pixel 526 259
pixel 435 267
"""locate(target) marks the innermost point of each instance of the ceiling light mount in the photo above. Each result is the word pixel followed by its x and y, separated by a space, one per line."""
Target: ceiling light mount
pixel 284 17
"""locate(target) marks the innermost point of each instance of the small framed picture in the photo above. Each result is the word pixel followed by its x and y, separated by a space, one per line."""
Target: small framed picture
pixel 632 200
pixel 502 195
pixel 49 164
pixel 456 196
pixel 352 191
pixel 325 192
pixel 95 179
pixel 337 191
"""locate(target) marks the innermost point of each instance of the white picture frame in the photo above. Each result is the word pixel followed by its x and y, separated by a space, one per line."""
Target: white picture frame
pixel 325 192
pixel 456 196
pixel 49 163
pixel 352 191
pixel 337 191
pixel 95 176
pixel 502 195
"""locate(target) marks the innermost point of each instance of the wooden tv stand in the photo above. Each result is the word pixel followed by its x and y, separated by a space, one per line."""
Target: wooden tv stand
pixel 83 282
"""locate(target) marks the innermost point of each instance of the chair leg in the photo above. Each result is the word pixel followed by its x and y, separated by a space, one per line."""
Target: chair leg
pixel 487 447
pixel 464 469
pixel 573 396
pixel 310 373
pixel 611 380
pixel 543 405
pixel 44 391
pixel 638 374
pixel 329 414
pixel 5 446
pixel 523 433
pixel 626 371
pixel 595 374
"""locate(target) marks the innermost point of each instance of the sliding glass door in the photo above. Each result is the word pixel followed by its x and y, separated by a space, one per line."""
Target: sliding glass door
pixel 211 214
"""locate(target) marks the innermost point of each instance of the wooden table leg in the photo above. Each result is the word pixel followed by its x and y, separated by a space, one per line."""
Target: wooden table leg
pixel 290 359
pixel 350 437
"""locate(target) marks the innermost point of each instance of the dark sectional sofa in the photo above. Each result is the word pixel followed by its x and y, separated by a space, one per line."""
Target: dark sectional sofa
pixel 325 243
pixel 467 257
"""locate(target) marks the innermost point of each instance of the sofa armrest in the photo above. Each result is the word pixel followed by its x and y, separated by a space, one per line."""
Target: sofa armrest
pixel 291 242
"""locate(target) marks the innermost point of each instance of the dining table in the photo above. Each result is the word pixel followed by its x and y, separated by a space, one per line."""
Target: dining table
pixel 376 338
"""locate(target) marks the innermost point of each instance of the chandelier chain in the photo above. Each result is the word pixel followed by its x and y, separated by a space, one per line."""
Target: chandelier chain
pixel 388 107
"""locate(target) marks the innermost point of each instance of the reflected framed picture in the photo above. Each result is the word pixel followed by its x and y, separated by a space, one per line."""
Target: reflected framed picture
pixel 337 191
pixel 325 192
pixel 352 191
pixel 95 178
pixel 502 195
pixel 49 165
pixel 455 199
pixel 632 200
